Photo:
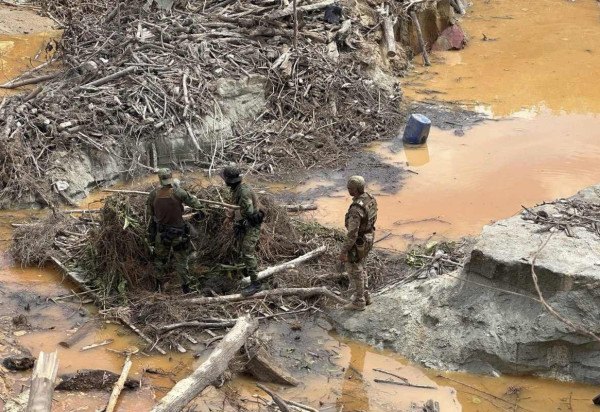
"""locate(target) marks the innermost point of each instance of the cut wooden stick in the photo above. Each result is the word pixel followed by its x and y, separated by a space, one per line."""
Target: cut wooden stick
pixel 42 382
pixel 114 396
pixel 138 192
pixel 111 77
pixel 279 401
pixel 26 82
pixel 404 384
pixel 263 274
pixel 187 389
pixel 300 292
pixel 415 20
pixel 96 345
pixel 300 208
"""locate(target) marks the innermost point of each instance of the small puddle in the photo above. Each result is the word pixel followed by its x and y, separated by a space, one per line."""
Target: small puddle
pixel 26 41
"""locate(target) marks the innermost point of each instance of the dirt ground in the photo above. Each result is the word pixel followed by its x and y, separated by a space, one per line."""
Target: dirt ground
pixel 22 20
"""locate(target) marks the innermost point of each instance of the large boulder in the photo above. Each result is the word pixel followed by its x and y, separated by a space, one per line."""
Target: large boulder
pixel 452 38
pixel 487 318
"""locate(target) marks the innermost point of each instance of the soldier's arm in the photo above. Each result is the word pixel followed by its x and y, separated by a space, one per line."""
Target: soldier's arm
pixel 354 217
pixel 188 199
pixel 150 203
pixel 246 205
pixel 151 229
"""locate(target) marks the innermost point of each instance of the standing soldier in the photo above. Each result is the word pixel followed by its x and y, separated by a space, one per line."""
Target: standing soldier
pixel 167 231
pixel 246 226
pixel 360 224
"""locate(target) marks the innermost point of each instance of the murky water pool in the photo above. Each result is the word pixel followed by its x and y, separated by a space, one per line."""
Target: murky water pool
pixel 465 182
pixel 538 55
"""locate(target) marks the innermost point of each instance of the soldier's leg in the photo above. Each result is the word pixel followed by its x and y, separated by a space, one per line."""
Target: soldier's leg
pixel 161 263
pixel 181 258
pixel 357 281
pixel 248 251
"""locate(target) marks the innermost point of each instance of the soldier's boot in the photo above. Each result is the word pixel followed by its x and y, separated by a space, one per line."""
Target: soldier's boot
pixel 367 295
pixel 367 298
pixel 251 289
pixel 355 305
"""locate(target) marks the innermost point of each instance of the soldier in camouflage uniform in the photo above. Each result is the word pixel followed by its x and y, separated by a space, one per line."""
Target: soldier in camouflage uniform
pixel 247 221
pixel 360 225
pixel 168 233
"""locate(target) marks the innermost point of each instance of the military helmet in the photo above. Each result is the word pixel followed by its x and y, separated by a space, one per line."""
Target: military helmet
pixel 165 176
pixel 357 182
pixel 231 174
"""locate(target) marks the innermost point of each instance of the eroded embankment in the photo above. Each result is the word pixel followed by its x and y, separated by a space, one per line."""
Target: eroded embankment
pixel 488 318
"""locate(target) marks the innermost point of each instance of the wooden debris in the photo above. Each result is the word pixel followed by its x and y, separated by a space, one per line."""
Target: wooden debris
pixel 187 389
pixel 79 334
pixel 422 44
pixel 299 292
pixel 42 383
pixel 92 380
pixel 404 384
pixel 97 345
pixel 279 401
pixel 263 274
pixel 114 396
pixel 18 363
pixel 263 367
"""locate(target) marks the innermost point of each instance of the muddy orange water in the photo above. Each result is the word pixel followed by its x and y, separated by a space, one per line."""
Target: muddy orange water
pixel 539 54
pixel 466 182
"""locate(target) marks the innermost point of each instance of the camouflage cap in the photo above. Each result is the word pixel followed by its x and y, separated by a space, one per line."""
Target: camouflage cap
pixel 231 174
pixel 357 182
pixel 165 176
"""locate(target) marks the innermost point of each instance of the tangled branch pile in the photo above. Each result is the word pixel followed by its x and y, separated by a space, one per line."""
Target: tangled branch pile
pixel 129 77
pixel 565 214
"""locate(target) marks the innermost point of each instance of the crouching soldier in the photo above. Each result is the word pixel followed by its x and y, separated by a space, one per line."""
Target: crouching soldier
pixel 168 233
pixel 247 222
pixel 360 225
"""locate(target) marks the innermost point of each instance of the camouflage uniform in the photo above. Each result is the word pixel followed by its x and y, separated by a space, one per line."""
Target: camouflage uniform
pixel 249 234
pixel 168 232
pixel 360 224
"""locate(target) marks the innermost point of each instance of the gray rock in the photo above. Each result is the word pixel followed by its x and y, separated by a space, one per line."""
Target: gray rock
pixel 453 322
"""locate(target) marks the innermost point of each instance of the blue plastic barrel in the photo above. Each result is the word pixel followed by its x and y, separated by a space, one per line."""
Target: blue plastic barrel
pixel 417 129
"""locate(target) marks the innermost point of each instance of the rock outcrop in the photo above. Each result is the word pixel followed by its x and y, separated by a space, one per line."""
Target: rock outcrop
pixel 486 318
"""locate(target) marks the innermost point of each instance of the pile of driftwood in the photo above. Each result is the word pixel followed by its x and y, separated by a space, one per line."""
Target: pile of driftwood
pixel 128 76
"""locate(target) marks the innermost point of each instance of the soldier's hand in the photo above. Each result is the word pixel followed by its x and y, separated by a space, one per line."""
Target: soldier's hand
pixel 343 257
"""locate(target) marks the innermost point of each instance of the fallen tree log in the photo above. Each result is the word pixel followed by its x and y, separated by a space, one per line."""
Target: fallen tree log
pixel 110 77
pixel 415 20
pixel 219 323
pixel 263 274
pixel 279 401
pixel 266 369
pixel 26 82
pixel 114 396
pixel 92 380
pixel 387 26
pixel 299 292
pixel 79 334
pixel 42 383
pixel 187 389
